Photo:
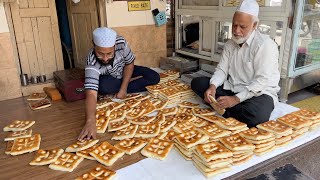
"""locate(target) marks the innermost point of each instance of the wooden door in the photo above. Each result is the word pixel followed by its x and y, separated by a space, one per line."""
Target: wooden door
pixel 37 36
pixel 83 19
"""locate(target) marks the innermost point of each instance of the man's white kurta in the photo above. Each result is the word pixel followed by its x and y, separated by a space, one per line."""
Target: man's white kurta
pixel 250 70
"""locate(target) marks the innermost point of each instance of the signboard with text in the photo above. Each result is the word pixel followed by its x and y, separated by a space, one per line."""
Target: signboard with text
pixel 139 5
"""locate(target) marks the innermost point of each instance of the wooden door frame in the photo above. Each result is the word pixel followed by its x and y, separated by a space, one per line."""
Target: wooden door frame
pixel 102 13
pixel 102 19
pixel 7 10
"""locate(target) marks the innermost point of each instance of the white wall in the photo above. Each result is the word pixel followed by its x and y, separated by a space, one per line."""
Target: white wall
pixel 3 20
pixel 119 16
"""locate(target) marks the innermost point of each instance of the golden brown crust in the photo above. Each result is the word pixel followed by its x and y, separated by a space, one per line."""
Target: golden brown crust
pixel 18 125
pixel 66 162
pixel 214 131
pixel 85 153
pixel 44 157
pixel 81 145
pixel 125 133
pixel 276 128
pixel 236 143
pixel 157 148
pixel 130 146
pixel 18 134
pixel 203 111
pixel 24 145
pixel 230 124
pixel 307 114
pixel 294 121
pixel 36 96
pixel 256 134
pixel 212 151
pixel 214 104
pixel 106 154
pixel 99 172
pixel 191 138
pixel 114 126
pixel 148 131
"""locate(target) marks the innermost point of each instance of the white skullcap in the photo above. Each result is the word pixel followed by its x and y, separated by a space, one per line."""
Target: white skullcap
pixel 104 37
pixel 249 7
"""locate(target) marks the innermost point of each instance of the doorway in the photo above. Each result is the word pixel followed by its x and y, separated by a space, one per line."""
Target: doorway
pixel 46 44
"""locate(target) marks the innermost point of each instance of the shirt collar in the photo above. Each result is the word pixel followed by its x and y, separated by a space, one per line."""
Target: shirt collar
pixel 250 39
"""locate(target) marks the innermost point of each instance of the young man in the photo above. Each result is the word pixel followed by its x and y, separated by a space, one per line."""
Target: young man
pixel 110 69
pixel 246 79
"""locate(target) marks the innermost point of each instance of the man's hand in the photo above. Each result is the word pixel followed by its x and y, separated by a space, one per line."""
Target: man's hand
pixel 210 91
pixel 89 131
pixel 228 101
pixel 121 94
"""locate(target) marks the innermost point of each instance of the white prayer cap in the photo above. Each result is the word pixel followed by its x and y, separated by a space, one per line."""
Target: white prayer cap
pixel 249 7
pixel 104 37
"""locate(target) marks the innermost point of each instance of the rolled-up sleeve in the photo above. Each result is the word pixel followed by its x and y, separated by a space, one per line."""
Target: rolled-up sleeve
pixel 91 78
pixel 265 67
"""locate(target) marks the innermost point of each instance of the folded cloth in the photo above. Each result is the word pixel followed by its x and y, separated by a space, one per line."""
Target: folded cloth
pixel 53 93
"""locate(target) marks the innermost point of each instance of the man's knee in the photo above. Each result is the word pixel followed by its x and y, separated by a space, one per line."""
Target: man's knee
pixel 252 119
pixel 256 113
pixel 200 83
pixel 152 76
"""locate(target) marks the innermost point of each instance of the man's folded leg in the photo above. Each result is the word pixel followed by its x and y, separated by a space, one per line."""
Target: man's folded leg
pixel 253 111
pixel 149 77
pixel 109 84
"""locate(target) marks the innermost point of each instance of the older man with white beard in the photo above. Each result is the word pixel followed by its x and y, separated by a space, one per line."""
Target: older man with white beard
pixel 245 82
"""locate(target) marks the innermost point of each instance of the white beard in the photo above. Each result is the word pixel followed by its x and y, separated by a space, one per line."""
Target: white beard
pixel 241 40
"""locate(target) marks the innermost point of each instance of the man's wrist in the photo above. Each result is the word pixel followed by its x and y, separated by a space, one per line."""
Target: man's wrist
pixel 90 120
pixel 212 86
pixel 236 99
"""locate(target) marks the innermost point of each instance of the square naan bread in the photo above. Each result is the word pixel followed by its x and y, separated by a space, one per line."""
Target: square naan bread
pixel 81 145
pixel 142 120
pixel 199 122
pixel 169 111
pixel 131 146
pixel 212 151
pixel 36 96
pixel 102 124
pixel 237 143
pixel 188 104
pixel 99 172
pixel 203 111
pixel 106 154
pixel 294 121
pixel 66 162
pixel 26 145
pixel 148 131
pixel 184 127
pixel 276 128
pixel 307 114
pixel 86 152
pixel 18 125
pixel 214 131
pixel 256 134
pixel 157 148
pixel 125 133
pixel 230 124
pixel 18 134
pixel 191 138
pixel 44 157
pixel 115 126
